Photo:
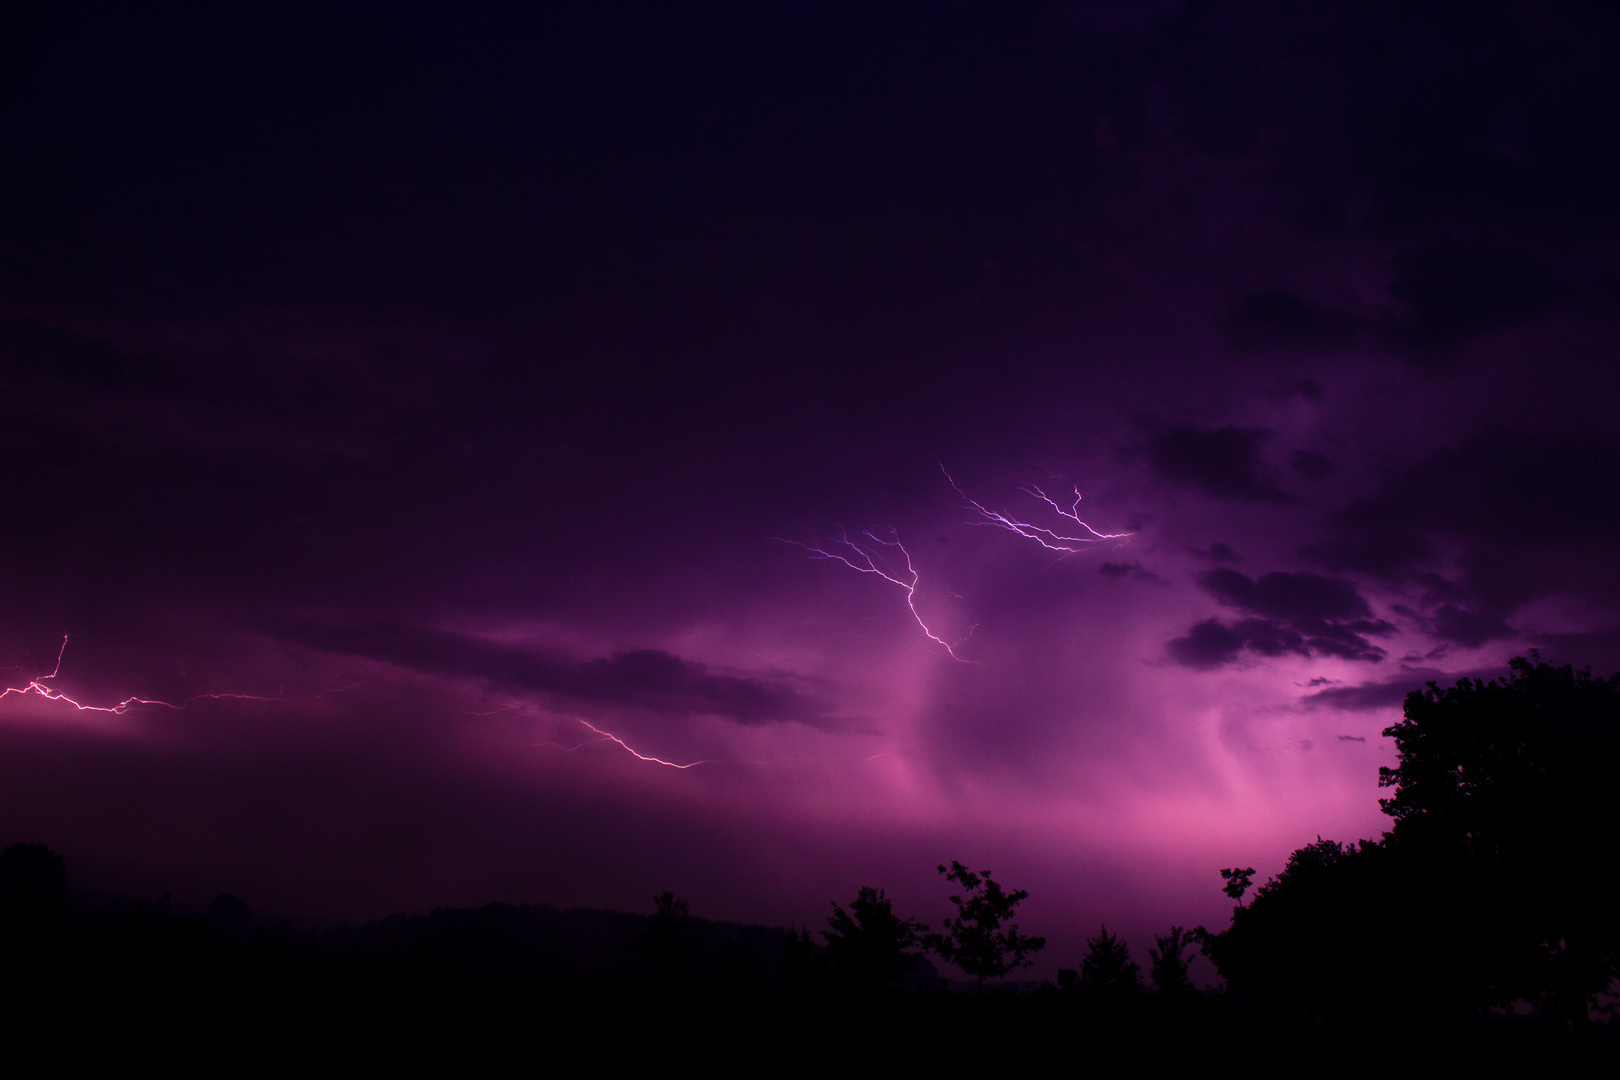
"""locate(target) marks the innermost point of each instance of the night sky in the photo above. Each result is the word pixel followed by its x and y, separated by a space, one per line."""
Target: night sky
pixel 472 391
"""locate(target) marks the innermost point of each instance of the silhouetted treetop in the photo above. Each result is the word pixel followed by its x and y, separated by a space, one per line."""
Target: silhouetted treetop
pixel 871 946
pixel 975 940
pixel 1237 881
pixel 1486 763
pixel 669 944
pixel 1169 964
pixel 1108 968
pixel 1513 781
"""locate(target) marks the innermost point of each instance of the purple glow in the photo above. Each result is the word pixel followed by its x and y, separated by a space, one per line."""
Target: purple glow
pixel 477 369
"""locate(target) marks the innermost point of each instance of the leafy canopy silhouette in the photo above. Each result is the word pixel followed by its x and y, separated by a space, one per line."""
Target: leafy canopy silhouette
pixel 1512 781
pixel 1108 968
pixel 1493 886
pixel 1169 966
pixel 871 946
pixel 975 940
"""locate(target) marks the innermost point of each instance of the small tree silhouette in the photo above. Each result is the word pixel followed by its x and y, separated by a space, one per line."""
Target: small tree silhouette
pixel 668 944
pixel 670 907
pixel 1108 968
pixel 1237 882
pixel 974 941
pixel 1169 966
pixel 871 946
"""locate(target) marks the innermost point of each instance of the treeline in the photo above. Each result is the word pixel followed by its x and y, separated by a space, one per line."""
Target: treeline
pixel 1488 899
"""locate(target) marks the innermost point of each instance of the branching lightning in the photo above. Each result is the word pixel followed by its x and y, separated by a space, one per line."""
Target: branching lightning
pixel 867 555
pixel 50 693
pixel 863 557
pixel 1049 539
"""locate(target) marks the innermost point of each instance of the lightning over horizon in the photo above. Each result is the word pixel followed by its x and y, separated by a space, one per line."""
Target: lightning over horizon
pixel 36 687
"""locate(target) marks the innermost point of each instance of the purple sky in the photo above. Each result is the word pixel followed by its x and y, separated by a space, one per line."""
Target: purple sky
pixel 452 382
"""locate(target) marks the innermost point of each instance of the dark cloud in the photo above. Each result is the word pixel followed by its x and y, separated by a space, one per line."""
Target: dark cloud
pixel 1207 645
pixel 1301 614
pixel 1212 644
pixel 639 678
pixel 1344 640
pixel 1132 570
pixel 1309 464
pixel 1384 693
pixel 1507 507
pixel 1352 738
pixel 1269 638
pixel 1451 293
pixel 1364 697
pixel 1286 596
pixel 1469 628
pixel 1224 462
pixel 1218 552
pixel 1599 649
pixel 1282 321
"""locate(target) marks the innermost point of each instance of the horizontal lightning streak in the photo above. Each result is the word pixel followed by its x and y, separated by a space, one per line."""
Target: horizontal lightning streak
pixel 50 693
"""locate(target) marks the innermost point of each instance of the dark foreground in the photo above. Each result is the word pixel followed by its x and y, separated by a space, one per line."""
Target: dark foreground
pixel 476 988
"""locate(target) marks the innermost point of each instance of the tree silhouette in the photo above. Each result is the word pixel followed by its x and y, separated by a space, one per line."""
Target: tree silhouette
pixel 1169 967
pixel 975 941
pixel 1237 882
pixel 670 908
pixel 33 887
pixel 1509 783
pixel 1493 885
pixel 871 947
pixel 669 944
pixel 1107 968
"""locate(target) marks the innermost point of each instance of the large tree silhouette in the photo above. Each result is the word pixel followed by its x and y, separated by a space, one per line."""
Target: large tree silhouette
pixel 1493 885
pixel 1510 784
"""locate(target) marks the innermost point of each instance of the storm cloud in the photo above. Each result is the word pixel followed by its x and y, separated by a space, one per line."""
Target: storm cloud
pixel 1224 462
pixel 1304 614
pixel 649 679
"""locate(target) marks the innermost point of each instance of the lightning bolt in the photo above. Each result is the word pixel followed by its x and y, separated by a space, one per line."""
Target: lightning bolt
pixel 37 687
pixel 1050 539
pixel 608 735
pixel 863 557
